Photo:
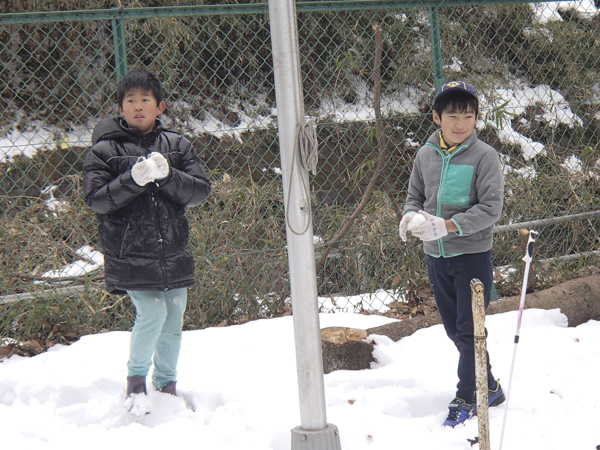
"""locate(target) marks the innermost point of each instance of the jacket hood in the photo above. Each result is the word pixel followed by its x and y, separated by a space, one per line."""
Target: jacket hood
pixel 115 128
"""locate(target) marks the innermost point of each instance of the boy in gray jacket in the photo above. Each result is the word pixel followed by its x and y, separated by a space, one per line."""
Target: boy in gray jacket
pixel 458 186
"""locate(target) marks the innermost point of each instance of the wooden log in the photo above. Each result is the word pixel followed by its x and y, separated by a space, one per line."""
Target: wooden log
pixel 578 299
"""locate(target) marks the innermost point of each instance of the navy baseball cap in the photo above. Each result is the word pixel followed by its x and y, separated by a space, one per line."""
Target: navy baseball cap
pixel 455 86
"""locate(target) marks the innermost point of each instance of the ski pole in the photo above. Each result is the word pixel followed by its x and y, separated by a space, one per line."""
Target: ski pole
pixel 527 258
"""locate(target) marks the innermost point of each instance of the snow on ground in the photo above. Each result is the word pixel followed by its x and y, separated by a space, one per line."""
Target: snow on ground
pixel 512 103
pixel 405 101
pixel 497 108
pixel 573 165
pixel 551 11
pixel 55 206
pixel 90 260
pixel 370 301
pixel 26 143
pixel 242 383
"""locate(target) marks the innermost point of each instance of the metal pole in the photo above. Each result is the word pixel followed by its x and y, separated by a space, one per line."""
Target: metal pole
pixel 544 222
pixel 481 384
pixel 436 46
pixel 314 431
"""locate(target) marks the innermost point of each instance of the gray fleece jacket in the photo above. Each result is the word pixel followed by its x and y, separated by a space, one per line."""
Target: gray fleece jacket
pixel 466 186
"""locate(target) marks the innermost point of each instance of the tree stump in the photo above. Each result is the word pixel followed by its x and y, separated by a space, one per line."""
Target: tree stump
pixel 345 349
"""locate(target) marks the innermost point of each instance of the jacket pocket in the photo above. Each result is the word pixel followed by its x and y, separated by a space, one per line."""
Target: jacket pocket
pixel 110 234
pixel 457 185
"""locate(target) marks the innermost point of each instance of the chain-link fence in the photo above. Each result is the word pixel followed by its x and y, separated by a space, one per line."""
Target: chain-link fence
pixel 536 69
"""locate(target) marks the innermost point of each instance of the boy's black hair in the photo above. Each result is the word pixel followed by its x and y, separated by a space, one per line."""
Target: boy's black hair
pixel 456 101
pixel 139 79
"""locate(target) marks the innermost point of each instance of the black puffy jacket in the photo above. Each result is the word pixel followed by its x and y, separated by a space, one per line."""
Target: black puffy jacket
pixel 143 230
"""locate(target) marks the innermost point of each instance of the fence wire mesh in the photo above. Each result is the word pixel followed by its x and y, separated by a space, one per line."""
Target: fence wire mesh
pixel 369 75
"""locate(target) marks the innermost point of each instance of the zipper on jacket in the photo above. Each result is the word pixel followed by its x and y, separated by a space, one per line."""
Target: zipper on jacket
pixel 438 207
pixel 160 242
pixel 123 240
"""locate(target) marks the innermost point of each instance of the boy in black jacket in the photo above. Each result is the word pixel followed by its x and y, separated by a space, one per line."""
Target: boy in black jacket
pixel 139 178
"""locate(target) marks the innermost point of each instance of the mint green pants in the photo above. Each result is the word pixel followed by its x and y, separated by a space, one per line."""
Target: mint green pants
pixel 157 331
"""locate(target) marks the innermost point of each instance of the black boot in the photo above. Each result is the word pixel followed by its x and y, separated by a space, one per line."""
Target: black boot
pixel 136 385
pixel 169 388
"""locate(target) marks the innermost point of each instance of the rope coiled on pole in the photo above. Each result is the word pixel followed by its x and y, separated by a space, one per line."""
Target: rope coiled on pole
pixel 306 151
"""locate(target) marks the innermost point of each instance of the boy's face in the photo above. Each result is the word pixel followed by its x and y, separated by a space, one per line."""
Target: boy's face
pixel 140 109
pixel 456 127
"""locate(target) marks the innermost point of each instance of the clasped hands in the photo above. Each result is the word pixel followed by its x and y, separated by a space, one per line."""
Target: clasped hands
pixel 153 168
pixel 432 229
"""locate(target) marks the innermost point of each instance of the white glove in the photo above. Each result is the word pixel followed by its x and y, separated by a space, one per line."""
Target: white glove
pixel 404 224
pixel 162 166
pixel 434 228
pixel 141 172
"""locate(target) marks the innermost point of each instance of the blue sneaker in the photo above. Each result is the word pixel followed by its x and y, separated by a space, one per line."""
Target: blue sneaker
pixel 458 412
pixel 495 397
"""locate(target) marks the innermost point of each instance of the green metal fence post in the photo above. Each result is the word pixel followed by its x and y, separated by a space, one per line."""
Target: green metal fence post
pixel 118 28
pixel 436 47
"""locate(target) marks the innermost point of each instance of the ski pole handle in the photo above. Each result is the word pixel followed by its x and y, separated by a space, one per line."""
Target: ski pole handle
pixel 529 250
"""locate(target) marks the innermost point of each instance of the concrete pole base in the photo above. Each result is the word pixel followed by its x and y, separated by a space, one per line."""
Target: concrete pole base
pixel 327 439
